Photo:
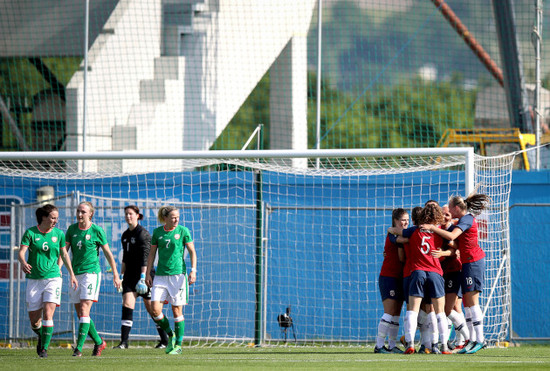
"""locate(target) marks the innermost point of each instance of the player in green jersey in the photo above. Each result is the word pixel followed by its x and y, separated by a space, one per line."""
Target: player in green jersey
pixel 46 246
pixel 85 238
pixel 171 283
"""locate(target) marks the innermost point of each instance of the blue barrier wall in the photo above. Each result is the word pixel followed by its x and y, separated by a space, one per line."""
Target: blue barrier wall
pixel 530 253
pixel 224 299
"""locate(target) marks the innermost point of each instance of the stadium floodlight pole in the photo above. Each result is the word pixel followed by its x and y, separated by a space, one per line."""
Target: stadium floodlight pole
pixel 319 49
pixel 84 93
pixel 536 38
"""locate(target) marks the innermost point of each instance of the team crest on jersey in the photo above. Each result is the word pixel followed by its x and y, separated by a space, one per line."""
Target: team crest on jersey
pixel 37 239
pixel 177 236
pixel 54 239
pixel 88 237
pixel 132 240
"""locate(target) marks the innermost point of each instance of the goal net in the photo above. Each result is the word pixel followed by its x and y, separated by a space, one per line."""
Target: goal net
pixel 273 230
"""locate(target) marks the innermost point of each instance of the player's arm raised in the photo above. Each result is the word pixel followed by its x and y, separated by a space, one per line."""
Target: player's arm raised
pixel 442 232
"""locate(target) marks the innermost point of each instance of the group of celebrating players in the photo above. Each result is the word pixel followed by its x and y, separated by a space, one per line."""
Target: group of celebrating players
pixel 436 266
pixel 48 248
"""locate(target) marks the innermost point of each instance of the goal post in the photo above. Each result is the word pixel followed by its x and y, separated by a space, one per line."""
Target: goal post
pixel 302 230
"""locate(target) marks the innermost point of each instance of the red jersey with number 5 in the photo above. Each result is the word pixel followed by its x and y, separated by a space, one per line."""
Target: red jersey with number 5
pixel 419 250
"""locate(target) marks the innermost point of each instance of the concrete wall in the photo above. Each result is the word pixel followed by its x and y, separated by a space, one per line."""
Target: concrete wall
pixel 184 102
pixel 113 79
pixel 228 56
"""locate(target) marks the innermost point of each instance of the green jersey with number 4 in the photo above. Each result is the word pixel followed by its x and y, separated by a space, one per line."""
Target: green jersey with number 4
pixel 170 247
pixel 85 246
pixel 44 250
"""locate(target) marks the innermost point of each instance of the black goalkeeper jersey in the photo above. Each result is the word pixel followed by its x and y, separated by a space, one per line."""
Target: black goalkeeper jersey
pixel 136 245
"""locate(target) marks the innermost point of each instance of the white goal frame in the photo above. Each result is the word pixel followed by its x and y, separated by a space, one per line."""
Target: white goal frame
pixel 433 153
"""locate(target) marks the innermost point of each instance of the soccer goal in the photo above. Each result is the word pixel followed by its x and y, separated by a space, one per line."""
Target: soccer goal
pixel 276 232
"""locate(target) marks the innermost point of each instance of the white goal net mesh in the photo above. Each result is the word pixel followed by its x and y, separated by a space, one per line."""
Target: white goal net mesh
pixel 300 233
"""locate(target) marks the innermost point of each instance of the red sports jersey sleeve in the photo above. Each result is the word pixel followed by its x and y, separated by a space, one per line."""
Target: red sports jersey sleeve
pixel 391 266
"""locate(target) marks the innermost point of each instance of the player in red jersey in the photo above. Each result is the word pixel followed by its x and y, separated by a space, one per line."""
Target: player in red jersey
pixel 390 283
pixel 472 258
pixel 427 320
pixel 452 273
pixel 426 275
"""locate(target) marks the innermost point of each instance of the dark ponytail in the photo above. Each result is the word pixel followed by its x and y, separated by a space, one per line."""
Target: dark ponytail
pixel 474 204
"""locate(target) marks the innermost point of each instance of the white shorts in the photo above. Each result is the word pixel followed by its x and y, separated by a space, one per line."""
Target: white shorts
pixel 47 290
pixel 88 287
pixel 171 289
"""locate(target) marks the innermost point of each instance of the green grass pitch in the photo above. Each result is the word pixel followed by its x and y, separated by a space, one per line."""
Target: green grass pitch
pixel 533 357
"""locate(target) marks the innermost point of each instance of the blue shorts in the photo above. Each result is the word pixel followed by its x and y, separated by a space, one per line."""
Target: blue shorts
pixel 473 276
pixel 390 288
pixel 428 284
pixel 406 282
pixel 453 281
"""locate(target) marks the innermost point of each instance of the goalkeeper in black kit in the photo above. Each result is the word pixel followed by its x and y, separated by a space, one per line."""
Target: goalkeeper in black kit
pixel 136 244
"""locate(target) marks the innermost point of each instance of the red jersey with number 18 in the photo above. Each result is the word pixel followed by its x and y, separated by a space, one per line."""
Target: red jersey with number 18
pixel 419 250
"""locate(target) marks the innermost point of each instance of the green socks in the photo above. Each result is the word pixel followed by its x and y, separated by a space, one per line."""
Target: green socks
pixel 165 325
pixel 93 333
pixel 83 330
pixel 180 329
pixel 47 332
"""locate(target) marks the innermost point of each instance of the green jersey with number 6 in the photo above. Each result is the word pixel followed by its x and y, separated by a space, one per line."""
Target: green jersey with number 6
pixel 85 246
pixel 44 250
pixel 170 247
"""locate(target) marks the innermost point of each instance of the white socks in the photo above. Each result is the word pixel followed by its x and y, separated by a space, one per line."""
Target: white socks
pixel 383 329
pixel 393 331
pixel 443 328
pixel 461 329
pixel 477 321
pixel 469 323
pixel 410 321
